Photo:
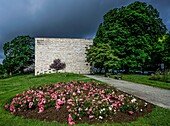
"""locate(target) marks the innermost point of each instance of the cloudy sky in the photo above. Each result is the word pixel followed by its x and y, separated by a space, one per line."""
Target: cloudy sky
pixel 61 18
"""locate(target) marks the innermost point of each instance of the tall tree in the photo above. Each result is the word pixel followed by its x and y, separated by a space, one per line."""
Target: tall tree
pixel 102 56
pixel 19 54
pixel 133 33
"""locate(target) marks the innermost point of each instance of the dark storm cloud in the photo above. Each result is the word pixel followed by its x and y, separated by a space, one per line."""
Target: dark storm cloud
pixel 60 18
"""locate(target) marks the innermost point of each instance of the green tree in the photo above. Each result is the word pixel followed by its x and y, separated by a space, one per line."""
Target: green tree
pixel 166 52
pixel 2 71
pixel 102 56
pixel 19 54
pixel 133 33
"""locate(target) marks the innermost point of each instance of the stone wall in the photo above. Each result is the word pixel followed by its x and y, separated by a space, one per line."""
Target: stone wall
pixel 70 51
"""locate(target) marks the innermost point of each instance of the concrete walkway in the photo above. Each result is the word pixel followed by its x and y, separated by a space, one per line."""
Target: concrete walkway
pixel 157 96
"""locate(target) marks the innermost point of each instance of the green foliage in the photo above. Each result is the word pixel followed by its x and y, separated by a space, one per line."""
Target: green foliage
pixel 133 33
pixel 166 52
pixel 2 71
pixel 102 56
pixel 19 54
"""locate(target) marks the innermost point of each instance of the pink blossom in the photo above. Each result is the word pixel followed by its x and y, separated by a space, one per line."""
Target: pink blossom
pixel 25 102
pixel 80 109
pixel 130 112
pixel 30 104
pixel 80 99
pixel 114 105
pixel 70 118
pixel 11 107
pixel 58 107
pixel 68 107
pixel 19 109
pixel 43 100
pixel 59 102
pixel 78 92
pixel 99 102
pixel 74 93
pixel 71 123
pixel 6 106
pixel 17 95
pixel 41 109
pixel 90 110
pixel 20 102
pixel 91 117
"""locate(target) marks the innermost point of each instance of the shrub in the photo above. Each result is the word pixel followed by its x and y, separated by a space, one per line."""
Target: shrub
pixel 57 65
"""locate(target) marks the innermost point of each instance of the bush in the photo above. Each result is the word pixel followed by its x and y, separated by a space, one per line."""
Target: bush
pixel 57 65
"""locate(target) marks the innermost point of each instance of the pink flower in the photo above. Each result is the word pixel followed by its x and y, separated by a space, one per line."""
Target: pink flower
pixel 43 100
pixel 70 117
pixel 17 95
pixel 19 109
pixel 114 105
pixel 41 109
pixel 11 107
pixel 80 109
pixel 6 106
pixel 99 102
pixel 78 91
pixel 91 117
pixel 58 107
pixel 130 112
pixel 68 107
pixel 80 99
pixel 20 102
pixel 90 110
pixel 30 104
pixel 71 123
pixel 69 101
pixel 74 93
pixel 59 102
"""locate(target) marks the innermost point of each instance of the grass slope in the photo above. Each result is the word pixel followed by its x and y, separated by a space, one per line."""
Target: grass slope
pixel 10 86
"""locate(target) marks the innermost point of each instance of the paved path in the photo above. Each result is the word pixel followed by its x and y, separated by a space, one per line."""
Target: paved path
pixel 157 96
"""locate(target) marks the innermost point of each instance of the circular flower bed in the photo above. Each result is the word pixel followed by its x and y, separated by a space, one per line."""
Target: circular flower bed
pixel 76 102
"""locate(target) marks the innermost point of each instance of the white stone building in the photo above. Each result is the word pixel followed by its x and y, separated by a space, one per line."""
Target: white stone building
pixel 70 51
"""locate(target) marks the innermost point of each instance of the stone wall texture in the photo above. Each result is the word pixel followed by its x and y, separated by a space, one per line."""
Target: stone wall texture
pixel 70 51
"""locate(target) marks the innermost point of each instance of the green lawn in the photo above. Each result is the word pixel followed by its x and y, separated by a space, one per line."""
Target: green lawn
pixel 142 79
pixel 10 86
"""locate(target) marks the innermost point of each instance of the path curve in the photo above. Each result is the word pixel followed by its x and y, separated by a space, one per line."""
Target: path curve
pixel 156 96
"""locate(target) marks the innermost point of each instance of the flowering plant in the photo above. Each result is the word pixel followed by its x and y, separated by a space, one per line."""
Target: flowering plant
pixel 80 98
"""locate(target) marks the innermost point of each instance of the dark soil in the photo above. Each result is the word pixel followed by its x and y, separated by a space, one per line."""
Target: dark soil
pixel 51 114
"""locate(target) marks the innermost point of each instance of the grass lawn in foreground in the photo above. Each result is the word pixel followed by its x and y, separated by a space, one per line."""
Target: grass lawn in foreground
pixel 11 86
pixel 143 79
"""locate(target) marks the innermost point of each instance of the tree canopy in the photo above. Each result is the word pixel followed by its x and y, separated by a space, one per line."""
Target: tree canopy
pixel 102 56
pixel 19 54
pixel 133 32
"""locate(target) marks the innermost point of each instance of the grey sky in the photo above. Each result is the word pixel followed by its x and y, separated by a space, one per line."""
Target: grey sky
pixel 61 18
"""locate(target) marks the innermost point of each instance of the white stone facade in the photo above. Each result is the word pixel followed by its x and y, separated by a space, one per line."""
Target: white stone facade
pixel 70 51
